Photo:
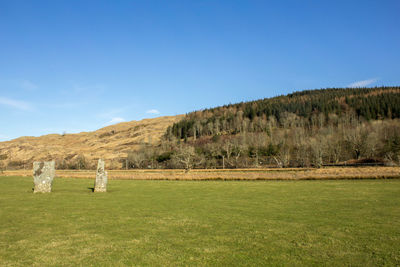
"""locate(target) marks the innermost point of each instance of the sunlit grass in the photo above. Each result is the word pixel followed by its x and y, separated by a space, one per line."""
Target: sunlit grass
pixel 200 223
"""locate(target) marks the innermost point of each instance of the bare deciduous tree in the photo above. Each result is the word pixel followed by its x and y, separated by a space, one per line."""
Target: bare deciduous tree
pixel 356 140
pixel 186 156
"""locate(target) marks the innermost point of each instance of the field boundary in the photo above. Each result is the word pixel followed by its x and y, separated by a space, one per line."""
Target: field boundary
pixel 328 173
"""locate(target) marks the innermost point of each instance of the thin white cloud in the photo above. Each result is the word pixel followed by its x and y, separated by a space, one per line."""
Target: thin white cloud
pixel 153 111
pixel 66 105
pixel 28 85
pixel 112 113
pixel 79 88
pixel 83 89
pixel 113 116
pixel 363 83
pixel 4 137
pixel 116 120
pixel 22 105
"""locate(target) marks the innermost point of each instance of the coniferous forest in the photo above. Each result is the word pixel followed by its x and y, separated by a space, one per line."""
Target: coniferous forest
pixel 313 128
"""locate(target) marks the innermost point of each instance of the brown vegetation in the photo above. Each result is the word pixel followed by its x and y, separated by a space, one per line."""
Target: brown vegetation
pixel 236 174
pixel 81 151
pixel 339 142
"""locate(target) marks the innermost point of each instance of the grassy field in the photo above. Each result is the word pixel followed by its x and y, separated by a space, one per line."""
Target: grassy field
pixel 170 223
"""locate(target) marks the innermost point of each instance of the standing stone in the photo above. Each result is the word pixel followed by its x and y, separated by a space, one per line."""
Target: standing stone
pixel 43 175
pixel 100 184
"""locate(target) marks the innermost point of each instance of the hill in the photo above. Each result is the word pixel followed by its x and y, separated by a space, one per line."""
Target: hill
pixel 312 128
pixel 308 108
pixel 336 126
pixel 83 149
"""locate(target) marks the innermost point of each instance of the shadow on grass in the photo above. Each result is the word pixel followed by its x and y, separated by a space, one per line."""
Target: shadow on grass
pixel 91 188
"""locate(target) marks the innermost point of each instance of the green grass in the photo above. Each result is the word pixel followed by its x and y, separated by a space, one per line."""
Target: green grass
pixel 169 223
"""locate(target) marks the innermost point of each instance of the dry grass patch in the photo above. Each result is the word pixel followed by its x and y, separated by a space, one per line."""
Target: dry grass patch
pixel 235 174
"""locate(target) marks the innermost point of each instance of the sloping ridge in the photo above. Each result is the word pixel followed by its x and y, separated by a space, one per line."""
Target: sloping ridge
pixel 110 143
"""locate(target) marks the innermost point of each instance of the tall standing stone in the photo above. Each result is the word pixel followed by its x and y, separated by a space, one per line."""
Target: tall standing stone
pixel 43 175
pixel 100 184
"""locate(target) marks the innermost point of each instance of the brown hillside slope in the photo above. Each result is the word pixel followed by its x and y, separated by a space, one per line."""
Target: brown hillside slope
pixel 111 143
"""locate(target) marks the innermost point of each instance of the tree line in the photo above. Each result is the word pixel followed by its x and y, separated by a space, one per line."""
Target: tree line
pixel 343 141
pixel 311 128
pixel 303 129
pixel 313 106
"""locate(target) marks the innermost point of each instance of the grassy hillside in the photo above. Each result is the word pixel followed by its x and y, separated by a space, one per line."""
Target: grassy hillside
pixel 81 150
pixel 172 223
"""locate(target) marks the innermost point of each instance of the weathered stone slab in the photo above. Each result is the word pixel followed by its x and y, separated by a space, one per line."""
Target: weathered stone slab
pixel 43 175
pixel 100 184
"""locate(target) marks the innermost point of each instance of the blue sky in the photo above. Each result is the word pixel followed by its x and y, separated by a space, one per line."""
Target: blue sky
pixel 80 65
